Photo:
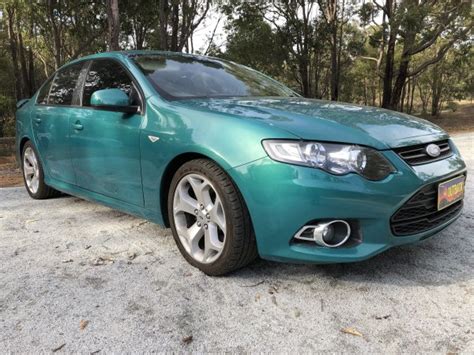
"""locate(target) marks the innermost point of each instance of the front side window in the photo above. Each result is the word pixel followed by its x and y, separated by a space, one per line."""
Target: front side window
pixel 179 77
pixel 64 84
pixel 107 74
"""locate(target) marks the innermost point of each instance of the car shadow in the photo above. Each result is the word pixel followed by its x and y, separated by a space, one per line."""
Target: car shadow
pixel 441 260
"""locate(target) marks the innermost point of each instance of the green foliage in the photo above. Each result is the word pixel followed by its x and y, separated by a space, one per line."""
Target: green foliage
pixel 449 80
pixel 7 121
pixel 139 19
pixel 7 105
pixel 251 41
pixel 453 106
pixel 321 48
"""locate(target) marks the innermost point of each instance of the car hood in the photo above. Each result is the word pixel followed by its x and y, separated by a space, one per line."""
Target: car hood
pixel 328 120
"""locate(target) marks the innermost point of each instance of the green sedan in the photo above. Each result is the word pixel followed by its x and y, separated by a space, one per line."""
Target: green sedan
pixel 237 164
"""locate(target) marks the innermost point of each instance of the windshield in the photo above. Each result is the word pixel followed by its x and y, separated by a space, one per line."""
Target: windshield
pixel 183 77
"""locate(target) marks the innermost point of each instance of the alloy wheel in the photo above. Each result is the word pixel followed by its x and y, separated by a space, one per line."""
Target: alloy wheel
pixel 199 218
pixel 31 169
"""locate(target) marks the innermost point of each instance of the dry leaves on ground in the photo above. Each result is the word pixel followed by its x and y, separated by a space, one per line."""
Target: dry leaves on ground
pixel 352 331
pixel 83 324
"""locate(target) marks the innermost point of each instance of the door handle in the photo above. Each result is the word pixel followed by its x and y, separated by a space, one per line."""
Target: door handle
pixel 78 126
pixel 37 120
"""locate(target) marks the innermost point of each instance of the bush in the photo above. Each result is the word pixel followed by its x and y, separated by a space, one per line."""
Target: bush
pixel 7 116
pixel 453 106
pixel 7 126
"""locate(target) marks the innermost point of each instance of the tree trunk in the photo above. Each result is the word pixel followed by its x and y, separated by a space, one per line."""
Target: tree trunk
pixel 390 57
pixel 163 25
pixel 413 86
pixel 174 27
pixel 24 69
pixel 399 83
pixel 408 90
pixel 436 90
pixel 334 67
pixel 113 22
pixel 388 74
pixel 374 94
pixel 330 11
pixel 406 95
pixel 424 100
pixel 13 52
pixel 31 72
pixel 317 75
pixel 139 32
pixel 31 61
pixel 141 38
pixel 366 101
pixel 339 51
pixel 174 45
pixel 55 31
pixel 402 99
pixel 397 95
pixel 305 85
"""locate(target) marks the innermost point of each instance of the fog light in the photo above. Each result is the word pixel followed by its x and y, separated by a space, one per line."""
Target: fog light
pixel 330 234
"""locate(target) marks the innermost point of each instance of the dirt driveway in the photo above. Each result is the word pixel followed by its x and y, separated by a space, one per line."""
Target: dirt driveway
pixel 79 277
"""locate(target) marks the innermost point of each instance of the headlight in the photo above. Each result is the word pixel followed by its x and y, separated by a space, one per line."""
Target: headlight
pixel 338 159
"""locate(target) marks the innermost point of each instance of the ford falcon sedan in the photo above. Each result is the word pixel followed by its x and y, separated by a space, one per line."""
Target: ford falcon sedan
pixel 237 164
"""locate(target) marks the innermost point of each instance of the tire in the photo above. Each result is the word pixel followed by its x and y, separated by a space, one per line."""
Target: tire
pixel 31 164
pixel 204 202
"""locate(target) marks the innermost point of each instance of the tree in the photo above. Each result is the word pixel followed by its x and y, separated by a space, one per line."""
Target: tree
pixel 294 22
pixel 447 78
pixel 416 25
pixel 113 24
pixel 333 12
pixel 11 12
pixel 407 55
pixel 178 19
pixel 250 39
pixel 68 29
pixel 139 19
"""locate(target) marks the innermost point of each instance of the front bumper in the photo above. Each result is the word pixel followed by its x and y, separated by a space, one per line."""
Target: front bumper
pixel 282 198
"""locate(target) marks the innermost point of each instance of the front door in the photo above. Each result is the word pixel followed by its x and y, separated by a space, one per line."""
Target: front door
pixel 51 123
pixel 105 145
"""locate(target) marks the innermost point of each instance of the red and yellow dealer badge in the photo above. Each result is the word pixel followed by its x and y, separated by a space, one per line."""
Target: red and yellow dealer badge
pixel 450 192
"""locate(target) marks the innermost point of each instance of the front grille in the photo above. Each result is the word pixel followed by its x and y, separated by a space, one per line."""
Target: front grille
pixel 420 213
pixel 417 155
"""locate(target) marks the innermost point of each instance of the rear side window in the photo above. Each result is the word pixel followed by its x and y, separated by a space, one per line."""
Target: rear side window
pixel 107 74
pixel 43 94
pixel 64 84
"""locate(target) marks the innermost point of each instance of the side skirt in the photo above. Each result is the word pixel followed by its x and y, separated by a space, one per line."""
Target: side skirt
pixel 91 196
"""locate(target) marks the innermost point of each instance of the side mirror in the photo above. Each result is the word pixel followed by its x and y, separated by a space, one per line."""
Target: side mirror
pixel 112 100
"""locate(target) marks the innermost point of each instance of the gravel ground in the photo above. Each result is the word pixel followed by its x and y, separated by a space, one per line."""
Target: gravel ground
pixel 79 277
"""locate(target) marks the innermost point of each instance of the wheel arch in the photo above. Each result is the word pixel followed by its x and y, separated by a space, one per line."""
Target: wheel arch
pixel 22 144
pixel 19 149
pixel 169 172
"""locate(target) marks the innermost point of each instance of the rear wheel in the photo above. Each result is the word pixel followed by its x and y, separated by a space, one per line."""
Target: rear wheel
pixel 209 219
pixel 33 174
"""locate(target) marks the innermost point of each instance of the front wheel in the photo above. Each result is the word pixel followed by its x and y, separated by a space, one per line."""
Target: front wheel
pixel 209 219
pixel 33 174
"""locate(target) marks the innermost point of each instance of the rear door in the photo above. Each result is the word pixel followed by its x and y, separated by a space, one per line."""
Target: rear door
pixel 51 122
pixel 105 144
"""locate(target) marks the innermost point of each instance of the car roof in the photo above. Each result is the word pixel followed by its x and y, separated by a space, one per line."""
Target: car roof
pixel 134 53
